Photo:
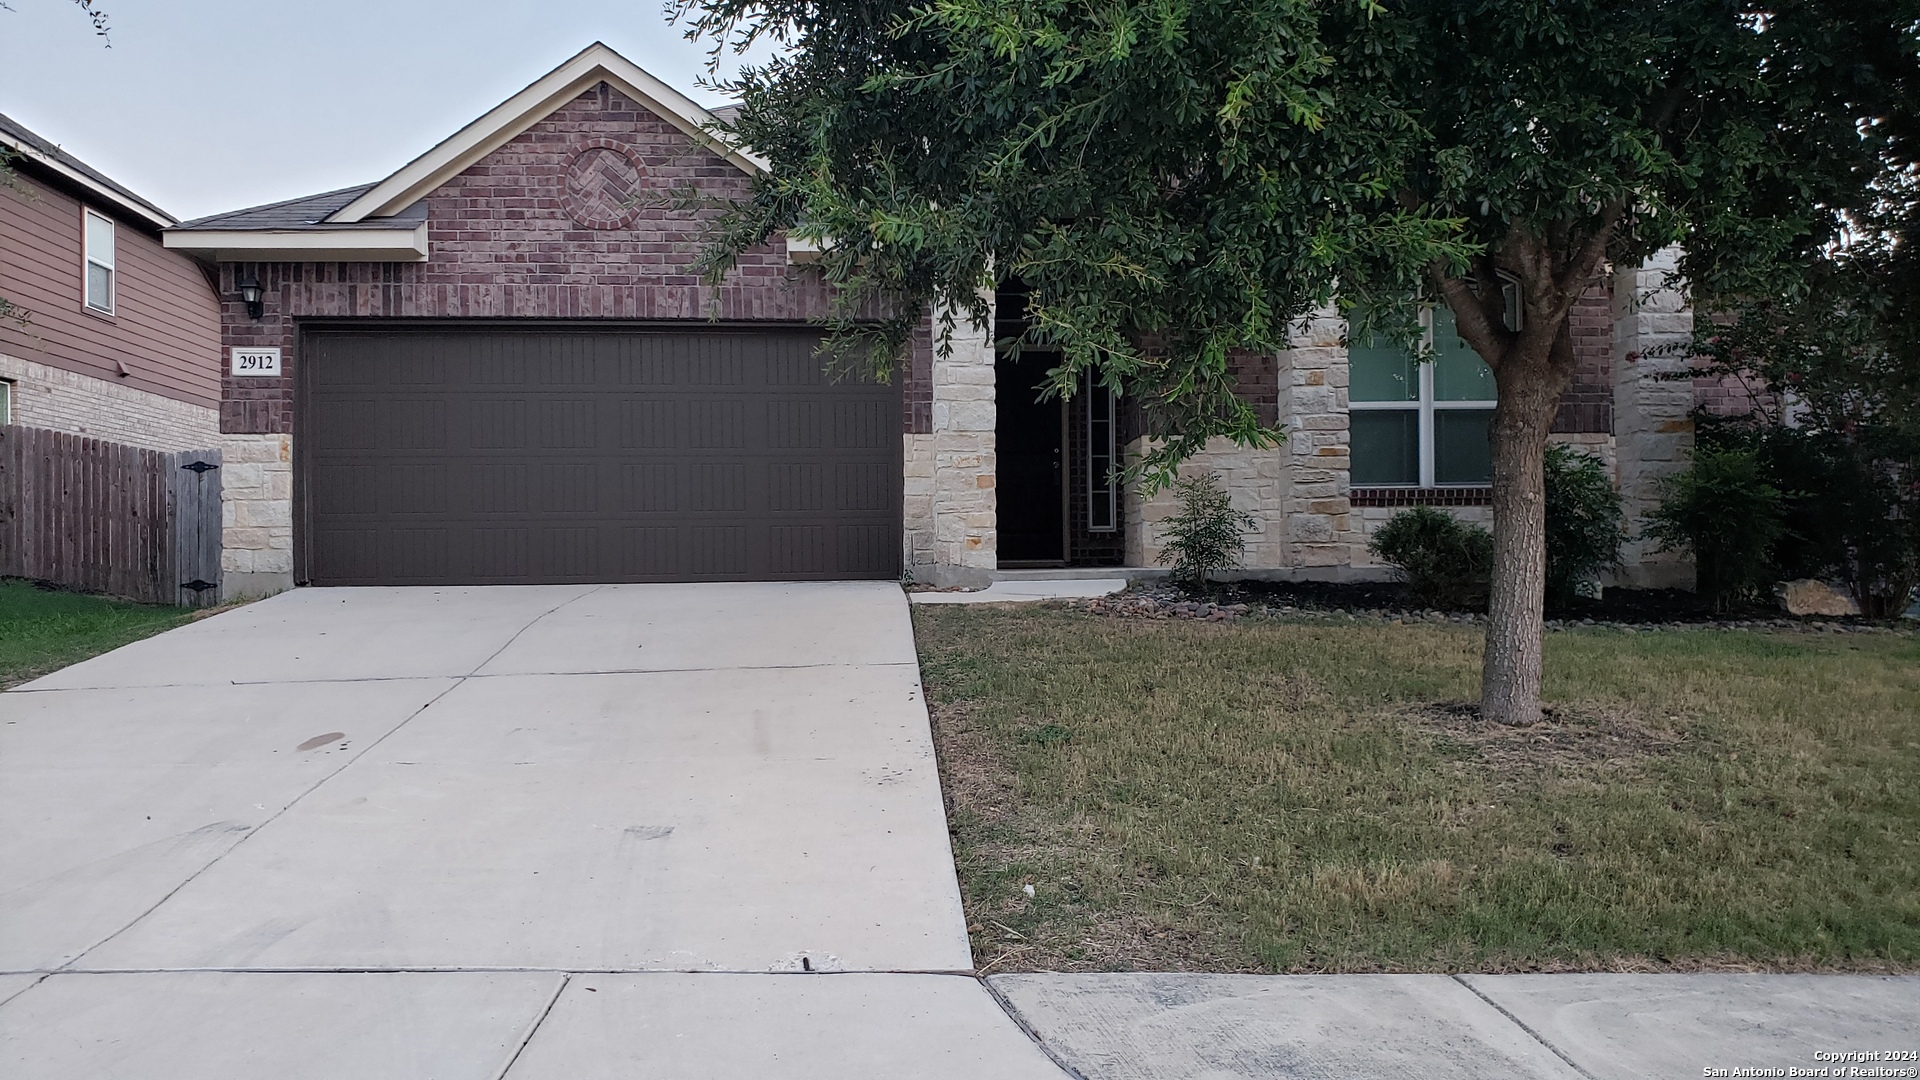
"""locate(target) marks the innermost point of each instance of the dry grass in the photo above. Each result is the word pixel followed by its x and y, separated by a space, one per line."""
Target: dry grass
pixel 1270 796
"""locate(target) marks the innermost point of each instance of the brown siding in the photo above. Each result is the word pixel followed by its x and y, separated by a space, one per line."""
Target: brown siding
pixel 166 323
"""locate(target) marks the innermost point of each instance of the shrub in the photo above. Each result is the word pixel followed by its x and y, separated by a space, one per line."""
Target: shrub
pixel 1851 511
pixel 1725 512
pixel 1207 535
pixel 1584 533
pixel 1445 562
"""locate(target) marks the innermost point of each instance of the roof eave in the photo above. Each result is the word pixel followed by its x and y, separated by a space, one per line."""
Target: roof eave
pixel 509 119
pixel 153 215
pixel 302 245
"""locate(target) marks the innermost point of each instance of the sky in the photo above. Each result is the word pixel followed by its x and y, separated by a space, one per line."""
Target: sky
pixel 203 106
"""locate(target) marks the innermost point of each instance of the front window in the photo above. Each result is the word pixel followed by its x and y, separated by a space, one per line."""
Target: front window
pixel 99 263
pixel 1421 424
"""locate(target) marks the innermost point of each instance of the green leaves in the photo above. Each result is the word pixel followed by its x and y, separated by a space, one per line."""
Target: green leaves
pixel 1175 181
pixel 1178 180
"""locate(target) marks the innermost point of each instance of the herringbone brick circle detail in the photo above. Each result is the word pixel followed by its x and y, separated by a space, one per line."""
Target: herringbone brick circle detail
pixel 604 181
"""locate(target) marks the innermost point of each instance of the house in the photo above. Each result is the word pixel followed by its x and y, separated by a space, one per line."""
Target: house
pixel 497 365
pixel 117 338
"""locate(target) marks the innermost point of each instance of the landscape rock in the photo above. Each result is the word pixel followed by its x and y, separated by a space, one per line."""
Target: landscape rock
pixel 1809 596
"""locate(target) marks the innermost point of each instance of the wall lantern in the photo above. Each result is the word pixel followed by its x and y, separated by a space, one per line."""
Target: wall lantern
pixel 250 292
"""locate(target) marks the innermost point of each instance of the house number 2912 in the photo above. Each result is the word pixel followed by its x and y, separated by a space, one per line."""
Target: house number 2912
pixel 256 362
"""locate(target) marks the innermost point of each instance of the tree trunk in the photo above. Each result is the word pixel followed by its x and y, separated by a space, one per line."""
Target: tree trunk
pixel 1530 388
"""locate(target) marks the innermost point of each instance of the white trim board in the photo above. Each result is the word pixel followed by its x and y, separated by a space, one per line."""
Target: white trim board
pixel 159 218
pixel 399 244
pixel 594 64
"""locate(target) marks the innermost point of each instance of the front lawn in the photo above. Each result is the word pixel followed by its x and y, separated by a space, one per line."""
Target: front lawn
pixel 43 630
pixel 1306 796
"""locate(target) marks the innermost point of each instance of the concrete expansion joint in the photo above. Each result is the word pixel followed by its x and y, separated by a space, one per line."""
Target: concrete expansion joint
pixel 1523 1026
pixel 472 675
pixel 492 970
pixel 1027 1029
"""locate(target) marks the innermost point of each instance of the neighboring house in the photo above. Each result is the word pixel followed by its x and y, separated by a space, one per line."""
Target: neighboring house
pixel 122 338
pixel 497 365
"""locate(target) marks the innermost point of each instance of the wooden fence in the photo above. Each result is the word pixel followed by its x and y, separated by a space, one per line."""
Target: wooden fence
pixel 103 517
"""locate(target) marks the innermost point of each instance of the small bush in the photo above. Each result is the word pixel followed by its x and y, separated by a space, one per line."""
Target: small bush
pixel 1445 562
pixel 1851 512
pixel 1208 535
pixel 1728 516
pixel 1584 533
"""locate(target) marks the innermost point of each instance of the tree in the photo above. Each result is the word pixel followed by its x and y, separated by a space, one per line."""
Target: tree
pixel 1829 336
pixel 1175 180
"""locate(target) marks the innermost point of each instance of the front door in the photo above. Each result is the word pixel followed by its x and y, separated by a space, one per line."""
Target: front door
pixel 1030 441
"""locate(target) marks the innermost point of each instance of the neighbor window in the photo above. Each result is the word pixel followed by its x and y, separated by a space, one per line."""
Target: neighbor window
pixel 99 263
pixel 1418 424
pixel 6 402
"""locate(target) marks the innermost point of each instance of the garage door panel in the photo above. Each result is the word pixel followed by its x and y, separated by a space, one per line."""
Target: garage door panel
pixel 716 551
pixel 567 489
pixel 865 550
pixel 407 490
pixel 410 423
pixel 634 455
pixel 569 423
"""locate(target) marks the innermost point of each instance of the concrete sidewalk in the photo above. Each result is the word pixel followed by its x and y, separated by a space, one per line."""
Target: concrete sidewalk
pixel 547 831
pixel 1471 1027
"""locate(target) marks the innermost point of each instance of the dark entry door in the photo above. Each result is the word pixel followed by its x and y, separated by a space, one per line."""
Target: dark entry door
pixel 497 455
pixel 1030 451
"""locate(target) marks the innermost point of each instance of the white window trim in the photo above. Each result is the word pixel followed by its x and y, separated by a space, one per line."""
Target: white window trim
pixel 1426 406
pixel 88 262
pixel 1102 493
pixel 6 401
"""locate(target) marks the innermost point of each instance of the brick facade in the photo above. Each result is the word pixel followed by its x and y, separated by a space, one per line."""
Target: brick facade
pixel 504 245
pixel 1588 404
pixel 63 400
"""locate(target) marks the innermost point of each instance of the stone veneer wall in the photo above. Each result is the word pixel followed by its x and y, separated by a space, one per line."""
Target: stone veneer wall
pixel 256 496
pixel 1304 524
pixel 1653 434
pixel 955 465
pixel 61 400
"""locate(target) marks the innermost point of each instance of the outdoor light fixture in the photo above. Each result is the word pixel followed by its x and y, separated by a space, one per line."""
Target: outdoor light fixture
pixel 250 292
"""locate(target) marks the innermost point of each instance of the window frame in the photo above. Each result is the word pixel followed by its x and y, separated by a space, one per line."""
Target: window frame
pixel 1103 457
pixel 6 402
pixel 89 259
pixel 1426 404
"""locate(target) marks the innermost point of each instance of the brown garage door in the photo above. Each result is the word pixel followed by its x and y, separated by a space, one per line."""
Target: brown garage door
pixel 490 455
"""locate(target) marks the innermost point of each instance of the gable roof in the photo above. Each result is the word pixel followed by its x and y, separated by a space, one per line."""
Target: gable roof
pixel 48 156
pixel 595 64
pixel 386 221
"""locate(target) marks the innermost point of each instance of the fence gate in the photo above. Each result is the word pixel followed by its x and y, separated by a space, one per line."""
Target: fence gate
pixel 103 517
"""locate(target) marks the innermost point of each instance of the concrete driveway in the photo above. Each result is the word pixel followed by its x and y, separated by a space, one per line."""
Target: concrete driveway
pixel 676 830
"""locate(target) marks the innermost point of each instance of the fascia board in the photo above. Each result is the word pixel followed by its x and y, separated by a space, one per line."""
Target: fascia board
pixel 520 112
pixel 302 245
pixel 158 218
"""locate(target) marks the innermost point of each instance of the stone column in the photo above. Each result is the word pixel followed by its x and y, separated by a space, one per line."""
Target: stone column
pixel 1320 524
pixel 965 543
pixel 1653 434
pixel 256 511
